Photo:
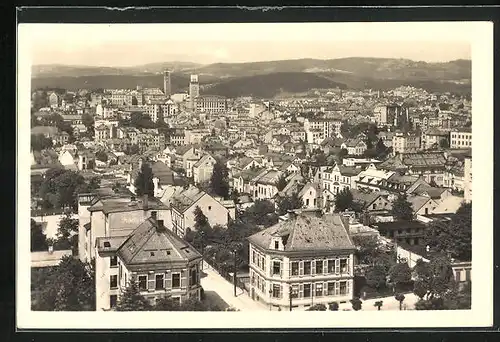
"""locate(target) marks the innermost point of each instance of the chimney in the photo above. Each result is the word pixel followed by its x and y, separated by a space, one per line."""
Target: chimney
pixel 160 226
pixel 145 202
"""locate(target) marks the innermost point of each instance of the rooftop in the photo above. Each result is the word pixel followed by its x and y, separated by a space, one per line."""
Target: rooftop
pixel 123 204
pixel 152 243
pixel 185 199
pixel 307 232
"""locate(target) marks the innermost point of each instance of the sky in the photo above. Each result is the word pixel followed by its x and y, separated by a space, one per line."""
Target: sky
pixel 117 45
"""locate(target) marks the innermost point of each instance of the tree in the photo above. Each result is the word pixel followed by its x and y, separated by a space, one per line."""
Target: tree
pixel 70 286
pixel 454 236
pixel 40 142
pixel 317 307
pixel 201 221
pixel 132 300
pixel 378 304
pixel 101 156
pixel 368 248
pixel 443 143
pixel 287 203
pixel 401 208
pixel 132 149
pixel 369 144
pixel 381 148
pixel 400 274
pixel 88 121
pixel 343 200
pixel 144 182
pixel 38 238
pixel 334 306
pixel 356 304
pixel 282 182
pixel 68 226
pixel 60 188
pixel 376 277
pixel 219 182
pixel 400 298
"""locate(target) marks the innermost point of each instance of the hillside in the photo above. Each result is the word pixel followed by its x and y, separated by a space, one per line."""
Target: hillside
pixel 364 67
pixel 270 84
pixel 265 79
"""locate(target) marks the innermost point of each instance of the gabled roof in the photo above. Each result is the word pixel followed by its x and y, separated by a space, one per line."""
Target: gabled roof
pixel 150 243
pixel 187 198
pixel 203 159
pixel 364 197
pixel 163 173
pixel 307 233
pixel 417 202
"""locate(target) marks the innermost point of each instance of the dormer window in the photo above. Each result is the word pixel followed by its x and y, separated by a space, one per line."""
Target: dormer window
pixel 276 244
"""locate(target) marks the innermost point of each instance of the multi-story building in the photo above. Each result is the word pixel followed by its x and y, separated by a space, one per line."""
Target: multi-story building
pixel 194 89
pixel 405 143
pixel 53 100
pixel 264 184
pixel 125 97
pixel 210 104
pixel 160 110
pixel 461 138
pixel 337 178
pixel 183 205
pixel 327 127
pixel 432 138
pixel 113 216
pixel 468 179
pixel 203 169
pixel 101 134
pixel 305 260
pixel 167 83
pixel 162 264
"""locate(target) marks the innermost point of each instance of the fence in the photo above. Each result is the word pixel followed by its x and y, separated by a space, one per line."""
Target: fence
pixel 224 271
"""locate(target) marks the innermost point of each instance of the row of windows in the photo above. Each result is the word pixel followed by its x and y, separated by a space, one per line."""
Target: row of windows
pixel 307 290
pixel 299 268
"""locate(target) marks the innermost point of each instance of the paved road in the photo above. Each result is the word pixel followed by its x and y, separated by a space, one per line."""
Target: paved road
pixel 225 290
pixel 214 282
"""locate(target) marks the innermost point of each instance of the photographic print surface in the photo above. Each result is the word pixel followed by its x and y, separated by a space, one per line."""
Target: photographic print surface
pixel 256 171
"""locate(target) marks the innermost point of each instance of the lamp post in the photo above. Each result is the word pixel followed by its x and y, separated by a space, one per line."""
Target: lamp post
pixel 290 296
pixel 270 296
pixel 202 233
pixel 234 272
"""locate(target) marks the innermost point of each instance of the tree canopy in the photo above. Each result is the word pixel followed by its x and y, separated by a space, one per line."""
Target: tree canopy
pixel 282 182
pixel 219 181
pixel 60 188
pixel 70 286
pixel 38 238
pixel 454 236
pixel 402 209
pixel 343 200
pixel 144 182
pixel 287 203
pixel 132 299
pixel 40 142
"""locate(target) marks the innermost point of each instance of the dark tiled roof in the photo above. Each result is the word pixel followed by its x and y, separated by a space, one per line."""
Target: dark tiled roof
pixel 398 225
pixel 123 204
pixel 150 245
pixel 187 198
pixel 307 232
pixel 163 173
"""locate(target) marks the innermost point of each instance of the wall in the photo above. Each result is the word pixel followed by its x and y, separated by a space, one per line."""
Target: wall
pixel 218 214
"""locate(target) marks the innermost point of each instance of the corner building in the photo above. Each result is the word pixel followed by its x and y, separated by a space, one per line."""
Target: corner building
pixel 306 260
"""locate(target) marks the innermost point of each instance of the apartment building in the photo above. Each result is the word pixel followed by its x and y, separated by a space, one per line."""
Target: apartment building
pixel 162 264
pixel 210 104
pixel 305 260
pixel 405 143
pixel 461 138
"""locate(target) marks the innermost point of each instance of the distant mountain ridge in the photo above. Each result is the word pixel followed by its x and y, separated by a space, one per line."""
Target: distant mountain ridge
pixel 267 78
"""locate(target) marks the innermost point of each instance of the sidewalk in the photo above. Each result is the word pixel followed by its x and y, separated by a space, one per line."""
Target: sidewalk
pixel 214 282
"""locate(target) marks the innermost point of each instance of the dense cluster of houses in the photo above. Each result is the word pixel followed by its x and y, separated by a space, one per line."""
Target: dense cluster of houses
pixel 268 148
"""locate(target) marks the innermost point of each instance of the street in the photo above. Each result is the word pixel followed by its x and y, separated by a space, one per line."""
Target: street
pixel 213 284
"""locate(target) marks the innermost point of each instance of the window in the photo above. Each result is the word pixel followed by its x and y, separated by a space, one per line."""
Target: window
pixel 295 291
pixel 113 261
pixel 331 289
pixel 343 265
pixel 295 268
pixel 467 275
pixel 143 281
pixel 307 201
pixel 343 288
pixel 276 291
pixel 276 245
pixel 176 280
pixel 209 207
pixel 113 282
pixel 331 266
pixel 319 266
pixel 458 276
pixel 193 277
pixel 253 257
pixel 276 268
pixel 319 290
pixel 159 284
pixel 112 300
pixel 337 266
pixel 307 267
pixel 307 290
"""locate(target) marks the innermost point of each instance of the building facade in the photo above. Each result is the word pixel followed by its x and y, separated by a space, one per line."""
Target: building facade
pixel 211 104
pixel 461 138
pixel 292 267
